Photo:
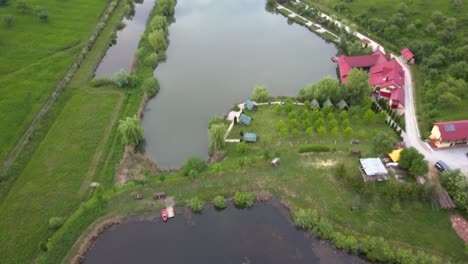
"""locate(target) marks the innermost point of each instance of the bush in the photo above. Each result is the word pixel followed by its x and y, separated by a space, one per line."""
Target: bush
pixel 194 165
pixel 195 204
pixel 305 218
pixel 151 86
pixel 121 79
pixel 43 246
pixel 56 222
pixel 98 82
pixel 314 148
pixel 43 16
pixel 241 147
pixel 152 60
pixel 8 20
pixel 244 199
pixel 219 202
pixel 324 229
pixel 261 94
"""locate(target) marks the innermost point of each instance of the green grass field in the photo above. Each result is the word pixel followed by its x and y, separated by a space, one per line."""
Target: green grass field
pixel 35 55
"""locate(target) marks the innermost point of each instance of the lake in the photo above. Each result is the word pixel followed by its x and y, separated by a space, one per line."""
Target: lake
pixel 219 50
pixel 262 234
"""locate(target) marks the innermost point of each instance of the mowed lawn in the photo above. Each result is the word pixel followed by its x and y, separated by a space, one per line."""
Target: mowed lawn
pixel 49 185
pixel 34 56
pixel 307 180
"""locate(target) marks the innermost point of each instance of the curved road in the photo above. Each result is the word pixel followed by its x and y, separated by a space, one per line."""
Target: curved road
pixel 454 157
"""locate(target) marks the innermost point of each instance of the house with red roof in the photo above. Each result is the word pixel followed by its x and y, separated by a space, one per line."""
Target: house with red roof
pixel 408 56
pixel 450 134
pixel 386 76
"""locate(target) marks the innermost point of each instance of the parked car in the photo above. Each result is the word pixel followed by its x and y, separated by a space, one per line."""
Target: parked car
pixel 441 166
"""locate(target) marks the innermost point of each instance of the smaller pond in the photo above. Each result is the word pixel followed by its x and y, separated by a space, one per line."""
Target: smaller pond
pixel 263 234
pixel 120 56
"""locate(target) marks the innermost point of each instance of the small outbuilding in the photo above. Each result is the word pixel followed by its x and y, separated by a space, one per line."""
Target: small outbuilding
pixel 395 155
pixel 245 119
pixel 373 169
pixel 408 56
pixel 249 105
pixel 314 104
pixel 327 103
pixel 342 105
pixel 250 137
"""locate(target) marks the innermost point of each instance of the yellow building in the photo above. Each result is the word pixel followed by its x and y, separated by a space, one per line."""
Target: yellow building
pixel 449 134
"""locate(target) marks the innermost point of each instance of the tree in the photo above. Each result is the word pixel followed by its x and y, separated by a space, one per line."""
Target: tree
pixel 430 29
pixel 383 142
pixel 322 90
pixel 22 5
pixel 121 79
pixel 43 15
pixel 457 5
pixel 261 94
pixel 243 199
pixel 8 20
pixel 219 202
pixel 413 161
pixel 217 141
pixel 131 131
pixel 391 32
pixel 358 86
pixel 157 40
pixel 348 131
pixel 369 116
pixel 159 22
pixel 166 7
pixel 151 86
pixel 195 204
pixel 3 2
pixel 457 186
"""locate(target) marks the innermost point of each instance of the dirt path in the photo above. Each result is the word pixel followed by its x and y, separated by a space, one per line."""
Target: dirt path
pixel 101 147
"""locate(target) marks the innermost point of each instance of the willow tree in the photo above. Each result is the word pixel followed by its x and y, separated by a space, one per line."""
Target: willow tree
pixel 217 137
pixel 132 132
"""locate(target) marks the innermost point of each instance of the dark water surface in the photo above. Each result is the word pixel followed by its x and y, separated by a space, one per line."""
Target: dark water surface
pixel 120 55
pixel 263 234
pixel 219 50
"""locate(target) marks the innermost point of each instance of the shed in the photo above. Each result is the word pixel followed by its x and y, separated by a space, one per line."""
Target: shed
pixel 342 105
pixel 407 55
pixel 245 119
pixel 374 169
pixel 327 103
pixel 395 155
pixel 250 137
pixel 314 103
pixel 250 105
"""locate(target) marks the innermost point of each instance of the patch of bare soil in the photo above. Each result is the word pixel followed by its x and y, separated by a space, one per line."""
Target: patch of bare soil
pixel 217 156
pixel 88 241
pixel 321 163
pixel 263 196
pixel 135 166
pixel 461 226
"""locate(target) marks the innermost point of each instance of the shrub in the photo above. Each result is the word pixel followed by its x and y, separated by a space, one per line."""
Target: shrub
pixel 324 229
pixel 195 204
pixel 8 20
pixel 157 40
pixel 241 147
pixel 194 165
pixel 244 199
pixel 121 79
pixel 43 16
pixel 131 131
pixel 314 148
pixel 56 222
pixel 261 94
pixel 98 82
pixel 43 246
pixel 152 60
pixel 305 218
pixel 219 202
pixel 22 5
pixel 151 86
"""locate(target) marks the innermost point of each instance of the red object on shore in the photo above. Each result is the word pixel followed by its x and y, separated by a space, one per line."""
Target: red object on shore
pixel 164 215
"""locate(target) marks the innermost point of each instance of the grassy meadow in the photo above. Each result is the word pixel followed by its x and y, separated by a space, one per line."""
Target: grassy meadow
pixel 35 55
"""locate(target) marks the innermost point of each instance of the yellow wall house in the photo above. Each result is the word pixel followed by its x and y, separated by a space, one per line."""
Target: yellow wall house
pixel 450 134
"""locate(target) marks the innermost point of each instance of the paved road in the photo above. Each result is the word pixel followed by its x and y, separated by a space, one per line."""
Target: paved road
pixel 455 158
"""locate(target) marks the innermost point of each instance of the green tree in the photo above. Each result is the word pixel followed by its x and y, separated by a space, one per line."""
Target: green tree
pixel 219 202
pixel 334 131
pixel 8 20
pixel 321 130
pixel 414 161
pixel 343 115
pixel 166 7
pixel 383 143
pixel 457 186
pixel 131 131
pixel 22 5
pixel 261 94
pixel 217 141
pixel 348 131
pixel 369 116
pixel 157 40
pixel 193 166
pixel 121 79
pixel 196 204
pixel 151 86
pixel 358 86
pixel 159 22
pixel 3 2
pixel 43 15
pixel 244 199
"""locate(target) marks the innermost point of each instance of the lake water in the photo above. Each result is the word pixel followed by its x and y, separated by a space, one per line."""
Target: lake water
pixel 120 55
pixel 263 234
pixel 219 50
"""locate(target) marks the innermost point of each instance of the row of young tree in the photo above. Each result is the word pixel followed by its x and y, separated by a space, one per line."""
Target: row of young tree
pixel 24 7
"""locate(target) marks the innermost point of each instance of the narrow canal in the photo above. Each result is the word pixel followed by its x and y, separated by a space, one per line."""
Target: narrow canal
pixel 263 234
pixel 219 50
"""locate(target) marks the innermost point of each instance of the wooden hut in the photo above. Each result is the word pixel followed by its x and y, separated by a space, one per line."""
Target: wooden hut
pixel 314 104
pixel 342 105
pixel 250 137
pixel 249 105
pixel 245 119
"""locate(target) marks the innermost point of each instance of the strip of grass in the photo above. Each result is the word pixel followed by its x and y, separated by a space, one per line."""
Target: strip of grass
pixel 284 12
pixel 328 37
pixel 49 184
pixel 299 20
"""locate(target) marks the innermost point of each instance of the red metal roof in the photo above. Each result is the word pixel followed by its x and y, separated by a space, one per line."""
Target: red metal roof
pixel 407 54
pixel 453 130
pixel 398 95
pixel 387 74
pixel 346 64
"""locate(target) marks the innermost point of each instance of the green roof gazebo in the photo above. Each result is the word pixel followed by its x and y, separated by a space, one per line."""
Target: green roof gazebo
pixel 250 137
pixel 244 119
pixel 250 105
pixel 342 105
pixel 314 103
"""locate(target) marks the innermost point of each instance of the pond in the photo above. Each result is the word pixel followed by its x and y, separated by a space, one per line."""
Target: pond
pixel 263 234
pixel 120 56
pixel 219 50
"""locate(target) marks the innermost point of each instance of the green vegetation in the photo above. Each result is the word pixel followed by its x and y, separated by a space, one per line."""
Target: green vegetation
pixel 193 167
pixel 131 131
pixel 219 202
pixel 314 148
pixel 413 161
pixel 244 199
pixel 195 204
pixel 217 132
pixel 261 94
pixel 457 186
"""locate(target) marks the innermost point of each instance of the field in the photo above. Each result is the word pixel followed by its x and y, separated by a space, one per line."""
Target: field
pixel 35 55
pixel 304 180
